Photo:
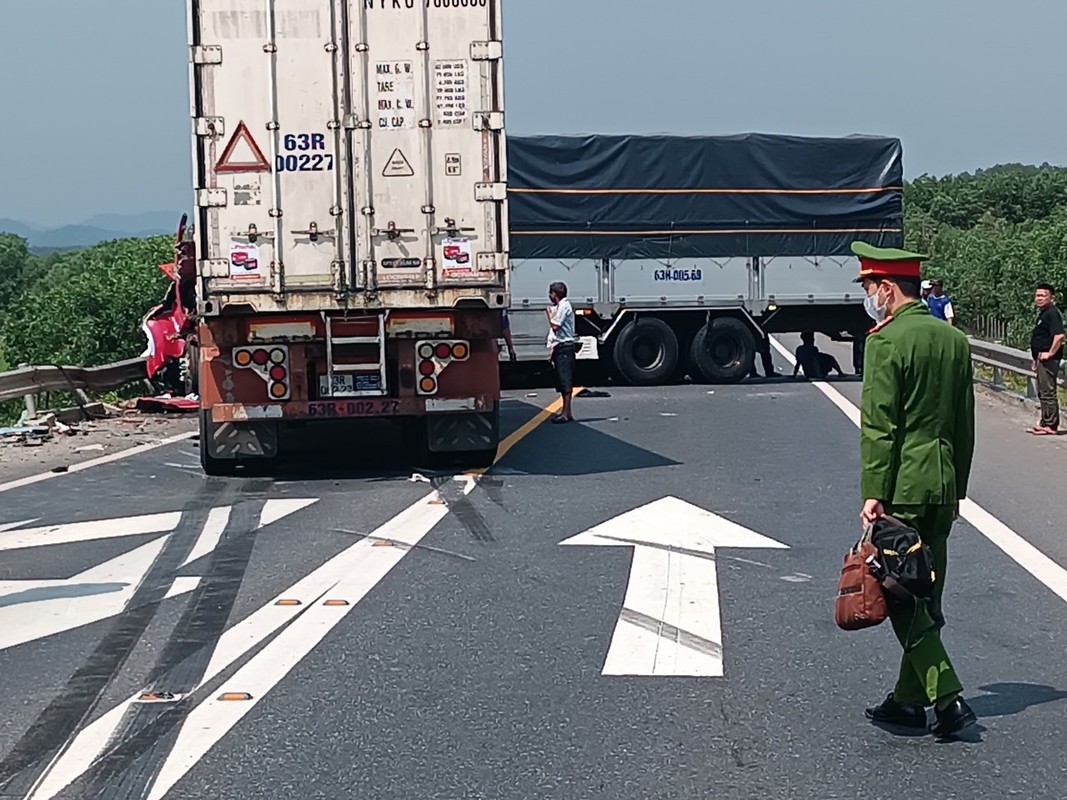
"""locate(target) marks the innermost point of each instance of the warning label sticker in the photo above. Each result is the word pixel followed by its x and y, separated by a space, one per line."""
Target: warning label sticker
pixel 453 165
pixel 242 154
pixel 398 166
pixel 245 263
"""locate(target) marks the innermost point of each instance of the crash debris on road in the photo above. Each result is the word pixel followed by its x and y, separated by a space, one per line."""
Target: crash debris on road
pixel 56 439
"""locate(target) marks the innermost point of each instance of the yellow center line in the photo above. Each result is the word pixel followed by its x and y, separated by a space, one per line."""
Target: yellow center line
pixel 525 430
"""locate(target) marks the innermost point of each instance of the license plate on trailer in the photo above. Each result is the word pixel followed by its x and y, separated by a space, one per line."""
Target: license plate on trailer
pixel 354 408
pixel 331 386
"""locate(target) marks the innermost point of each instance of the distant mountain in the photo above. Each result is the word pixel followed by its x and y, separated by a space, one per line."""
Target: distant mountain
pixel 155 221
pixel 96 229
pixel 18 228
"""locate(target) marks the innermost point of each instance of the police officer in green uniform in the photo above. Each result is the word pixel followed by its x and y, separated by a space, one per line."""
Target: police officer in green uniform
pixel 916 445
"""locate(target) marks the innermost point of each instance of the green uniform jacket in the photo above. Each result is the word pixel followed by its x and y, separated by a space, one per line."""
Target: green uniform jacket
pixel 917 411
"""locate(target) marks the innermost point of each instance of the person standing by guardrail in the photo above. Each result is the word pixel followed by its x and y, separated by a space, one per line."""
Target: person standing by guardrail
pixel 1046 347
pixel 939 303
pixel 916 449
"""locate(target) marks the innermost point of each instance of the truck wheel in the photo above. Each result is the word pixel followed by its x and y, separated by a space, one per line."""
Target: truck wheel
pixel 646 352
pixel 215 467
pixel 723 351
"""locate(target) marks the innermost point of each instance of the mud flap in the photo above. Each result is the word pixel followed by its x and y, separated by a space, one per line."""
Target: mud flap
pixel 233 440
pixel 463 433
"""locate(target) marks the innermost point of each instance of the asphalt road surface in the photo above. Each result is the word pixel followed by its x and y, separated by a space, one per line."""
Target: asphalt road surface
pixel 367 628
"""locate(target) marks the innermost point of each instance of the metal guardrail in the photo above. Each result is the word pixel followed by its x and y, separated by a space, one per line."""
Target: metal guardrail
pixel 27 380
pixel 1007 360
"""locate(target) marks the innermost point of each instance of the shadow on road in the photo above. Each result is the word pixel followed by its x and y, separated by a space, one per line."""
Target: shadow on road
pixel 70 592
pixel 576 449
pixel 1008 699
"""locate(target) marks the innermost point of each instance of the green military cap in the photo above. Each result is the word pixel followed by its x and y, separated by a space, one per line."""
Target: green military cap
pixel 886 262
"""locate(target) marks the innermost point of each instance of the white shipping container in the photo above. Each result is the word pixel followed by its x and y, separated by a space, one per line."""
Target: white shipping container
pixel 349 153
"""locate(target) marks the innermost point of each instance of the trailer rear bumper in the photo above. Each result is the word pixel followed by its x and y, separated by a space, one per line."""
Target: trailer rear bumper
pixel 363 407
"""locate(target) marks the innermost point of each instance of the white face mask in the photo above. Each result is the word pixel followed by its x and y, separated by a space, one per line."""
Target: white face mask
pixel 874 311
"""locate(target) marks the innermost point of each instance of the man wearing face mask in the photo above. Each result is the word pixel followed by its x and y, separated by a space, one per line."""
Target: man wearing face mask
pixel 916 446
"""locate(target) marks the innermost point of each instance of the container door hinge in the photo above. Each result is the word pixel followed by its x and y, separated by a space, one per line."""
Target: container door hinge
pixel 487 51
pixel 211 198
pixel 491 262
pixel 488 120
pixel 207 54
pixel 214 268
pixel 491 191
pixel 209 126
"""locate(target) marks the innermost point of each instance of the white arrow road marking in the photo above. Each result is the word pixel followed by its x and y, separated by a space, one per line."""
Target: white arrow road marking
pixel 1050 573
pixel 670 623
pixel 350 575
pixel 34 609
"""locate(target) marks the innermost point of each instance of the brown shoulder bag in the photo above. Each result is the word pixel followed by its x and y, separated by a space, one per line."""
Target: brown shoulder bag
pixel 860 601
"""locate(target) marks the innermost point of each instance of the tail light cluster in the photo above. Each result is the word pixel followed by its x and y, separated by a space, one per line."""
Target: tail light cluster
pixel 433 357
pixel 271 363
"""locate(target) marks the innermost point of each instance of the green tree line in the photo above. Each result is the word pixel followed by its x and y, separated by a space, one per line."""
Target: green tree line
pixel 81 307
pixel 992 236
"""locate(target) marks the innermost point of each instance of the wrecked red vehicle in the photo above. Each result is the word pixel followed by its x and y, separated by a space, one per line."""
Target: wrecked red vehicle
pixel 169 325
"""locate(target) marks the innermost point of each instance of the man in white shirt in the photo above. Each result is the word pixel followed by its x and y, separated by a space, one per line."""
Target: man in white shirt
pixel 561 346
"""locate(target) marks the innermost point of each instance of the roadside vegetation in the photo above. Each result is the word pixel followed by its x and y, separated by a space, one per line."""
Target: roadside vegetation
pixel 80 307
pixel 992 236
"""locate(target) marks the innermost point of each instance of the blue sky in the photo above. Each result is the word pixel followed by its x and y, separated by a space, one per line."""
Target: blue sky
pixel 96 110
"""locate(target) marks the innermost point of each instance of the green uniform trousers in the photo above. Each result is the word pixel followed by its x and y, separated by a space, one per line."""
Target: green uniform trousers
pixel 926 673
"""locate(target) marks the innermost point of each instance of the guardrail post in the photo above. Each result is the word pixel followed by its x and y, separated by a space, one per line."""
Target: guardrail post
pixel 29 399
pixel 1031 389
pixel 998 377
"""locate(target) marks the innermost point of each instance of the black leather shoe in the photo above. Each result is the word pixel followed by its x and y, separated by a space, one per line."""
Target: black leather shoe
pixel 890 712
pixel 954 719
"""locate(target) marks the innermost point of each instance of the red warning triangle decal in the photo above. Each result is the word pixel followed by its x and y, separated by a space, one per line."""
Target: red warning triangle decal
pixel 249 158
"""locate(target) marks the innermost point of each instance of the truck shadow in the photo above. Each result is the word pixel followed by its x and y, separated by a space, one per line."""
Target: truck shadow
pixel 374 451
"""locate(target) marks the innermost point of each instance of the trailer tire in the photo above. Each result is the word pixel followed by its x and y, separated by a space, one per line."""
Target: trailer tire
pixel 723 351
pixel 646 352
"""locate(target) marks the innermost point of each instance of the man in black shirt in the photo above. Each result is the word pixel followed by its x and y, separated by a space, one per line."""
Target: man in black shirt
pixel 1046 346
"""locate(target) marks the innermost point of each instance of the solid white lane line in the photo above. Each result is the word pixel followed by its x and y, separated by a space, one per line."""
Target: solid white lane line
pixel 1021 551
pixel 274 510
pixel 9 525
pixel 72 532
pixel 182 585
pixel 214 527
pixel 1050 573
pixel 361 561
pixel 95 462
pixel 214 718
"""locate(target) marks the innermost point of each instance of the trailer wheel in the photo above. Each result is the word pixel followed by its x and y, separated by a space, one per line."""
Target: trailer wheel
pixel 646 352
pixel 723 351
